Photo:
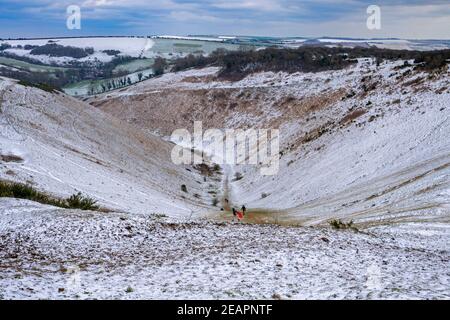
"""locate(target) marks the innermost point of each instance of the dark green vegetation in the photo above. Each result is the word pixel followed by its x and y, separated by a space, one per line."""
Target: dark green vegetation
pixel 78 201
pixel 24 191
pixel 339 225
pixel 56 50
pixel 42 86
pixel 238 64
pixel 159 66
pixel 111 52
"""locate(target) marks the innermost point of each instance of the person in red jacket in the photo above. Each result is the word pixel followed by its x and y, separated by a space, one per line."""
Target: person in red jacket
pixel 237 214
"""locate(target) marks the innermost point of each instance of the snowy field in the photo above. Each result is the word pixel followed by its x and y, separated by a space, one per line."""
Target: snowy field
pixel 59 254
pixel 136 47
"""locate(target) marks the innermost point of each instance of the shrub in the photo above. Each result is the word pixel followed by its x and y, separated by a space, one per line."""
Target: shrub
pixel 29 47
pixel 25 191
pixel 159 66
pixel 129 290
pixel 78 201
pixel 215 202
pixel 111 52
pixel 184 188
pixel 4 46
pixel 338 224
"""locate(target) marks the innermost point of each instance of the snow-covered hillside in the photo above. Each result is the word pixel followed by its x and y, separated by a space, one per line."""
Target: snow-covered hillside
pixel 63 146
pixel 133 47
pixel 369 143
pixel 48 253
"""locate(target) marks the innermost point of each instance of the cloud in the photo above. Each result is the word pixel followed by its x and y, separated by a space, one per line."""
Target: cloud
pixel 400 18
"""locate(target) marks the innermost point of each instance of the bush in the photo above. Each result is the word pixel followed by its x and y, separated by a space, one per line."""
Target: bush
pixel 29 47
pixel 78 201
pixel 159 66
pixel 217 168
pixel 338 224
pixel 129 290
pixel 184 188
pixel 4 46
pixel 111 52
pixel 24 191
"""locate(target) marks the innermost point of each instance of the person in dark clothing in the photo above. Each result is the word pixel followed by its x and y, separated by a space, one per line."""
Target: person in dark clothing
pixel 234 212
pixel 244 210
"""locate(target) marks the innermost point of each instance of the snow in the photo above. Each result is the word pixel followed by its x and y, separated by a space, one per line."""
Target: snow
pixel 390 164
pixel 388 170
pixel 128 46
pixel 69 146
pixel 67 254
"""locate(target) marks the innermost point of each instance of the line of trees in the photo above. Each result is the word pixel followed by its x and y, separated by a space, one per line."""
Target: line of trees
pixel 56 50
pixel 238 64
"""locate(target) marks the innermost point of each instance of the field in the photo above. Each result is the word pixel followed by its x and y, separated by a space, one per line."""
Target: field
pixel 29 66
pixel 89 87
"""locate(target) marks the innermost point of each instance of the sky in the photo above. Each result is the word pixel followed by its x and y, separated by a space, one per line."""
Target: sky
pixel 409 19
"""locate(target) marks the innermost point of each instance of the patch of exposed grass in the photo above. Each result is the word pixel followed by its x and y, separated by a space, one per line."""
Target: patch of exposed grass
pixel 24 191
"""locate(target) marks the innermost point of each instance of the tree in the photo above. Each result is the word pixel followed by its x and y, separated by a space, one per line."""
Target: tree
pixel 159 66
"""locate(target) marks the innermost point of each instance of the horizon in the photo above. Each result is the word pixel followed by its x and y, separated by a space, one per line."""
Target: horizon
pixel 215 35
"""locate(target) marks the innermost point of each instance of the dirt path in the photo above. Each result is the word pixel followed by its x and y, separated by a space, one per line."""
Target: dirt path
pixel 253 215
